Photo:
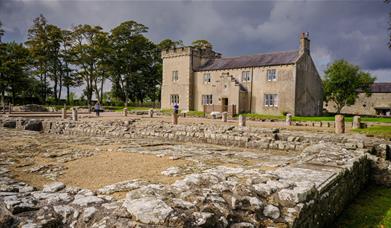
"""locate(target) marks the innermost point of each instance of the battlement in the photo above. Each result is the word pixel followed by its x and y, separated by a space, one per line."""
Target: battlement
pixel 176 52
pixel 189 50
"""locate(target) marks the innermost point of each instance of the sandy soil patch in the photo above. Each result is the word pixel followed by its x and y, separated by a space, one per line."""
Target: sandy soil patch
pixel 112 167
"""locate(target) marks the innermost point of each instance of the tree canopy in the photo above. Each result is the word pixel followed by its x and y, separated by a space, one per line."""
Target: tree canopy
pixel 343 82
pixel 202 44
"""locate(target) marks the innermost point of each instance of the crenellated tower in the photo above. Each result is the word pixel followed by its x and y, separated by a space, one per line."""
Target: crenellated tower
pixel 179 65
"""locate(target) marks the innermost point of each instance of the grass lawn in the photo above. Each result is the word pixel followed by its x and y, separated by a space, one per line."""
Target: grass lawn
pixel 371 208
pixel 381 131
pixel 121 108
pixel 189 113
pixel 315 118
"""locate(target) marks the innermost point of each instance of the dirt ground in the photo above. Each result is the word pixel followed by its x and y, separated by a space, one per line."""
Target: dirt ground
pixel 95 162
pixel 112 167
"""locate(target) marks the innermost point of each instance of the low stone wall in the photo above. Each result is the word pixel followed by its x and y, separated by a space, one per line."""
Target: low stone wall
pixel 334 195
pixel 260 138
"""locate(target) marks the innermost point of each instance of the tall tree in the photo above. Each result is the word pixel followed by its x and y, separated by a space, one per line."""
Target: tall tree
pixel 37 42
pixel 69 76
pixel 1 31
pixel 343 82
pixel 103 51
pixel 2 56
pixel 54 41
pixel 84 55
pixel 127 43
pixel 14 67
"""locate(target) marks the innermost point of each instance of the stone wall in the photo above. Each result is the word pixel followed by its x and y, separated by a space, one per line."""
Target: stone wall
pixel 260 138
pixel 364 105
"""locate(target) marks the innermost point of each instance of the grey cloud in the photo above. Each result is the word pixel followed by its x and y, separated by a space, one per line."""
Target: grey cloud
pixel 353 30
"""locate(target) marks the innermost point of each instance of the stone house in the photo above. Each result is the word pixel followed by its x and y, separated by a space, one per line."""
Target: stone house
pixel 379 103
pixel 269 83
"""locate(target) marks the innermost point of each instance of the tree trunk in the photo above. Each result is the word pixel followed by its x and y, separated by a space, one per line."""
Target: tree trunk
pixel 55 89
pixel 101 90
pixel 45 87
pixel 67 94
pixel 2 100
pixel 60 88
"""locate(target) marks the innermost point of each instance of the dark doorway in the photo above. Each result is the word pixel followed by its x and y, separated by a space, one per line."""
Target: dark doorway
pixel 224 104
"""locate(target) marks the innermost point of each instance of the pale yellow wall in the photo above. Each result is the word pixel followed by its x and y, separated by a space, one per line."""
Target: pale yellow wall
pixel 309 89
pixel 216 87
pixel 283 87
pixel 180 61
pixel 375 100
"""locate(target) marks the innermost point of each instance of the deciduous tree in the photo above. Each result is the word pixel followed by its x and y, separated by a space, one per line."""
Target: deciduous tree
pixel 37 42
pixel 343 82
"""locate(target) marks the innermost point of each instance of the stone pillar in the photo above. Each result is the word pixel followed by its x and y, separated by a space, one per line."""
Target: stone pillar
pixel 356 122
pixel 174 118
pixel 125 112
pixel 224 116
pixel 150 113
pixel 74 114
pixel 339 124
pixel 63 113
pixel 288 119
pixel 242 121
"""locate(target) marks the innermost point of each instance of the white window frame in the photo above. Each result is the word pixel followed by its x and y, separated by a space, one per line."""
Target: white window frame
pixel 271 75
pixel 270 100
pixel 174 98
pixel 207 78
pixel 174 76
pixel 207 99
pixel 246 76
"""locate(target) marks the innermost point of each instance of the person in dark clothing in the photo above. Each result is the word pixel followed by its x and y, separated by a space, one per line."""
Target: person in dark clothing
pixel 176 108
pixel 97 108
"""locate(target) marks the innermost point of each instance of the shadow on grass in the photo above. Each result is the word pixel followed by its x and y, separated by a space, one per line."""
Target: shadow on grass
pixel 371 208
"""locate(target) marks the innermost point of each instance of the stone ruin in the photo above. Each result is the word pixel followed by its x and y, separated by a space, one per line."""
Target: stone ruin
pixel 307 184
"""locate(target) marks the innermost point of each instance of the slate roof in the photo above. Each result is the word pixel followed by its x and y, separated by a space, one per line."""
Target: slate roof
pixel 381 87
pixel 258 60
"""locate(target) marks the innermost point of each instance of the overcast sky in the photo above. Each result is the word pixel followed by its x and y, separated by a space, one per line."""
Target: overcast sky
pixel 354 30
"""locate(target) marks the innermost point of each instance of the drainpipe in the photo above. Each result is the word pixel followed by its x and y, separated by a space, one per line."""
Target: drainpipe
pixel 251 93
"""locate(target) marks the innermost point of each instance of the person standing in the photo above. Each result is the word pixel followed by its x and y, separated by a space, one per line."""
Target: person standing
pixel 97 108
pixel 176 108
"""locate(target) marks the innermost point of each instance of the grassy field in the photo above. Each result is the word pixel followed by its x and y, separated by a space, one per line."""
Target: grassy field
pixel 372 208
pixel 121 108
pixel 189 113
pixel 315 118
pixel 379 131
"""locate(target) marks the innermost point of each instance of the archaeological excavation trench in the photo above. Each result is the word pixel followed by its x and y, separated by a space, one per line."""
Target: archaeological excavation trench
pixel 134 173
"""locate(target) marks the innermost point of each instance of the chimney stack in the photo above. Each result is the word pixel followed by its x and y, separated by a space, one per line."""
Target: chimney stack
pixel 304 43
